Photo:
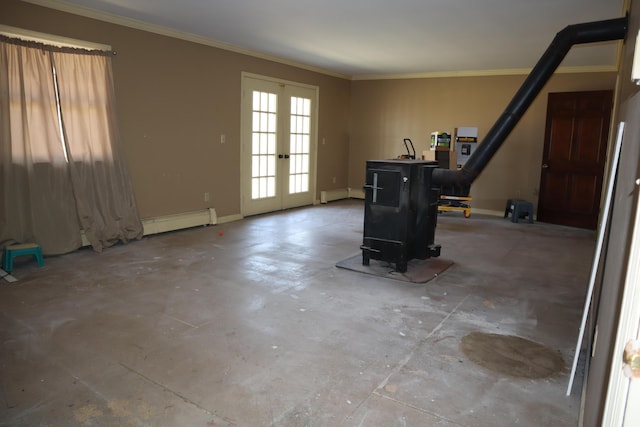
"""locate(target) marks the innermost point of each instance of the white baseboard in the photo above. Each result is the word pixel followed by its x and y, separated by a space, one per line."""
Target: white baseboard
pixel 356 193
pixel 341 193
pixel 229 218
pixel 485 211
pixel 162 224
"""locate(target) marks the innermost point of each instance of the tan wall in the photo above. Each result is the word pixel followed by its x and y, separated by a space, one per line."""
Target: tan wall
pixel 386 111
pixel 174 100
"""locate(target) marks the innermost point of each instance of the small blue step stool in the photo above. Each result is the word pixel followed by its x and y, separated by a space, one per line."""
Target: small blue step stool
pixel 22 249
pixel 519 209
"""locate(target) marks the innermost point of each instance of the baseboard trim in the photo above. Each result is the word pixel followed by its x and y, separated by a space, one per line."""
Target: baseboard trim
pixel 485 211
pixel 356 193
pixel 165 223
pixel 333 195
pixel 340 194
pixel 229 218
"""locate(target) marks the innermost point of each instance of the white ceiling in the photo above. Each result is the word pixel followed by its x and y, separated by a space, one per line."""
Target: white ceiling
pixel 361 38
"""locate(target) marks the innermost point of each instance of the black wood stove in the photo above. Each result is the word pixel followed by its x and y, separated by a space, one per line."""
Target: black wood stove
pixel 401 206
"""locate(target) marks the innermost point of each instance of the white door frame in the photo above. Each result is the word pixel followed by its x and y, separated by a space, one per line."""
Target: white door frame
pixel 244 144
pixel 622 403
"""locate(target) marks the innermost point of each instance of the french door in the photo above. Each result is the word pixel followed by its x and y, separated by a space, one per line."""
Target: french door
pixel 278 145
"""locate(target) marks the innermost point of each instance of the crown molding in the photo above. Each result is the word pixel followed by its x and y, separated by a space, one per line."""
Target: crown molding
pixel 67 7
pixel 484 73
pixel 111 18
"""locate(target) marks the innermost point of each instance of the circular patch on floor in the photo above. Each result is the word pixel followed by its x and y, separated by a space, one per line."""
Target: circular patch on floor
pixel 511 355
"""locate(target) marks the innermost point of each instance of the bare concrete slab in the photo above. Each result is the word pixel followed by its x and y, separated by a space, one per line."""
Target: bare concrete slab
pixel 257 327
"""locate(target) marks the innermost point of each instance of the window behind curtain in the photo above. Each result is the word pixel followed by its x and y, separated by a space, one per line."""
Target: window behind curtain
pixel 48 196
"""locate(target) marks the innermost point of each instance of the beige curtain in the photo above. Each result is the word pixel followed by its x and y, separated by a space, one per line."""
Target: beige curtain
pixel 101 183
pixel 52 187
pixel 36 197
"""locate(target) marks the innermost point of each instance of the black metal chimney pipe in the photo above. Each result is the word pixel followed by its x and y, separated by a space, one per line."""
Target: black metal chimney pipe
pixel 590 32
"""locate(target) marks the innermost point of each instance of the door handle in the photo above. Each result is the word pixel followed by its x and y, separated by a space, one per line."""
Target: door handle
pixel 545 166
pixel 283 156
pixel 286 156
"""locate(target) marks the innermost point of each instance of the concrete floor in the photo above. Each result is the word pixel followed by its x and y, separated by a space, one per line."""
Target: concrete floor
pixel 257 327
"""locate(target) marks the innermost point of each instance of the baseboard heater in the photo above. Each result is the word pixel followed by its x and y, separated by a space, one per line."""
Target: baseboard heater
pixel 162 224
pixel 165 223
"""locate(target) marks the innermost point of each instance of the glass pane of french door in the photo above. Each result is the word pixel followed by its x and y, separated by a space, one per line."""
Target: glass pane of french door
pixel 299 135
pixel 300 142
pixel 263 144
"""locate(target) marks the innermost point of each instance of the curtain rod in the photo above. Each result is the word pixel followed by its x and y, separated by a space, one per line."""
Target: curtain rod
pixel 51 39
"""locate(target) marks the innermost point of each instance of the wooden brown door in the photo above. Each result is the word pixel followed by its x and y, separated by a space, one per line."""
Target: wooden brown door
pixel 575 148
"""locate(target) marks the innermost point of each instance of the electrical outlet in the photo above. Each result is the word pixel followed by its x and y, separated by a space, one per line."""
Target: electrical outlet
pixel 206 196
pixel 334 179
pixel 223 138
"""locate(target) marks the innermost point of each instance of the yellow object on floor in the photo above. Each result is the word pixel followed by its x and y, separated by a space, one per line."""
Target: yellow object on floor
pixel 455 203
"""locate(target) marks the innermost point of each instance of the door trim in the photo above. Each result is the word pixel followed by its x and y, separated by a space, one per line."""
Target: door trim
pixel 243 143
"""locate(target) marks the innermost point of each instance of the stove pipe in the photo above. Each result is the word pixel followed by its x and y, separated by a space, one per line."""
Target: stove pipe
pixel 590 32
